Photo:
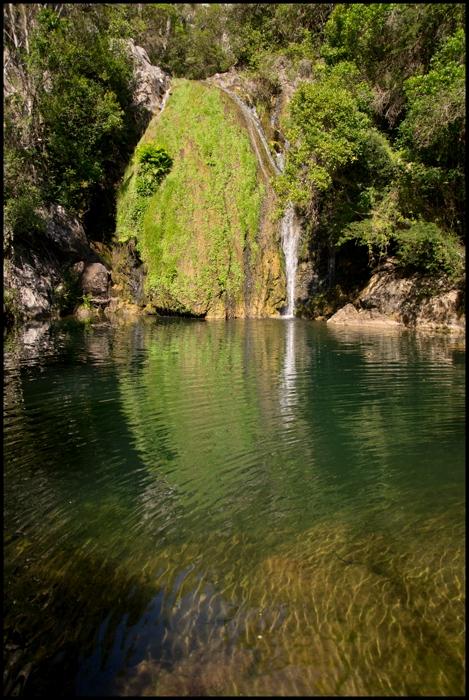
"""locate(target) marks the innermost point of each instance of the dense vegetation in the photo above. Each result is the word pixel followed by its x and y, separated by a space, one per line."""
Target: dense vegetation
pixel 376 124
pixel 198 207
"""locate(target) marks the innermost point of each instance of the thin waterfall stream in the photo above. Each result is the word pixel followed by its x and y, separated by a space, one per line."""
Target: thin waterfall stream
pixel 290 234
pixel 289 226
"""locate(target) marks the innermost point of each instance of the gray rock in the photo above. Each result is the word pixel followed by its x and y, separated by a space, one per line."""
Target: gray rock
pixel 65 232
pixel 393 300
pixel 34 276
pixel 95 280
pixel 30 285
pixel 152 83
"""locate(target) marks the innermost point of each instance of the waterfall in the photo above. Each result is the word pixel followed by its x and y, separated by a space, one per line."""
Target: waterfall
pixel 289 226
pixel 290 235
pixel 254 124
pixel 165 99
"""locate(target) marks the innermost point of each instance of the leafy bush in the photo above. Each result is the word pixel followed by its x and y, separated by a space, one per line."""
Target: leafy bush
pixel 328 127
pixel 377 230
pixel 427 248
pixel 83 103
pixel 434 125
pixel 21 218
pixel 154 163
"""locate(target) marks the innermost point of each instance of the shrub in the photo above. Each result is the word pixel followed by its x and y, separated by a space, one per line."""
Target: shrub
pixel 153 164
pixel 425 247
pixel 21 218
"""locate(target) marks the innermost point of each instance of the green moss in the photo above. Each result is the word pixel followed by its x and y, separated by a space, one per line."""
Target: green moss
pixel 192 230
pixel 11 307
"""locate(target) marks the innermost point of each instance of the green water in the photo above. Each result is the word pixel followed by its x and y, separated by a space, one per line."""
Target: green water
pixel 233 508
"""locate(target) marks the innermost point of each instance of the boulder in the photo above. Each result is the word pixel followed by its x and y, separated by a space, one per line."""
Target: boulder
pixel 348 314
pixel 95 280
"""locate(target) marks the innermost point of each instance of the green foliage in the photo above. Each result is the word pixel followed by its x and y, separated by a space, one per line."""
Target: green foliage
pixel 377 230
pixel 355 31
pixel 418 245
pixel 150 165
pixel 256 29
pixel 82 101
pixel 153 164
pixel 86 301
pixel 425 247
pixel 205 211
pixel 22 200
pixel 21 216
pixel 327 127
pixel 434 125
pixel 389 42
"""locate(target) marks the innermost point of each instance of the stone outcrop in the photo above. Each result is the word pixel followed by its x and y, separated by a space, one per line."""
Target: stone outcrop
pixel 34 277
pixel 151 82
pixel 64 233
pixel 48 277
pixel 220 257
pixel 390 299
pixel 29 287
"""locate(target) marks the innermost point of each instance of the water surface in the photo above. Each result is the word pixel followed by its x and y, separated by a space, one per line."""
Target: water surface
pixel 233 508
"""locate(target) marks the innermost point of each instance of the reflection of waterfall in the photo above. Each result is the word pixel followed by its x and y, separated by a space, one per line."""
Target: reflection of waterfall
pixel 290 235
pixel 287 385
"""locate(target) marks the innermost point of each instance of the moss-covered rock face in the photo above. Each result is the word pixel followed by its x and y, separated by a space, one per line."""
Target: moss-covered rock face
pixel 205 233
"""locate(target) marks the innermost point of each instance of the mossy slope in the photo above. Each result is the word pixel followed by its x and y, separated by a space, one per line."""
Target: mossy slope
pixel 200 232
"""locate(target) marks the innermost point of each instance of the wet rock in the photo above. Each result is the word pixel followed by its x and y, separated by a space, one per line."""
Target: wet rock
pixel 306 278
pixel 128 274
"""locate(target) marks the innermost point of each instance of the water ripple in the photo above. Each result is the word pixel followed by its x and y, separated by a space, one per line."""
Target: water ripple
pixel 233 508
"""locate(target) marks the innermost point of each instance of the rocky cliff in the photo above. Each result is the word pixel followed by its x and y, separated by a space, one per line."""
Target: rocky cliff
pixel 207 241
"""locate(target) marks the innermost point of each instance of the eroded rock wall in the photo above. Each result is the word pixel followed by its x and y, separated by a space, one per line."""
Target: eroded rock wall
pixel 390 299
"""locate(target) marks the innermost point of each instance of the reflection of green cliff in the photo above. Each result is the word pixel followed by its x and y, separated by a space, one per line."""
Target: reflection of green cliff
pixel 198 231
pixel 194 384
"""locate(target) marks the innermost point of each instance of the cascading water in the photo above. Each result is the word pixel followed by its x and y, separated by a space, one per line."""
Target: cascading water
pixel 165 99
pixel 289 226
pixel 290 235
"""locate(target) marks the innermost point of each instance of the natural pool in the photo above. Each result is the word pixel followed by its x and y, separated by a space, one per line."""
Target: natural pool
pixel 265 507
